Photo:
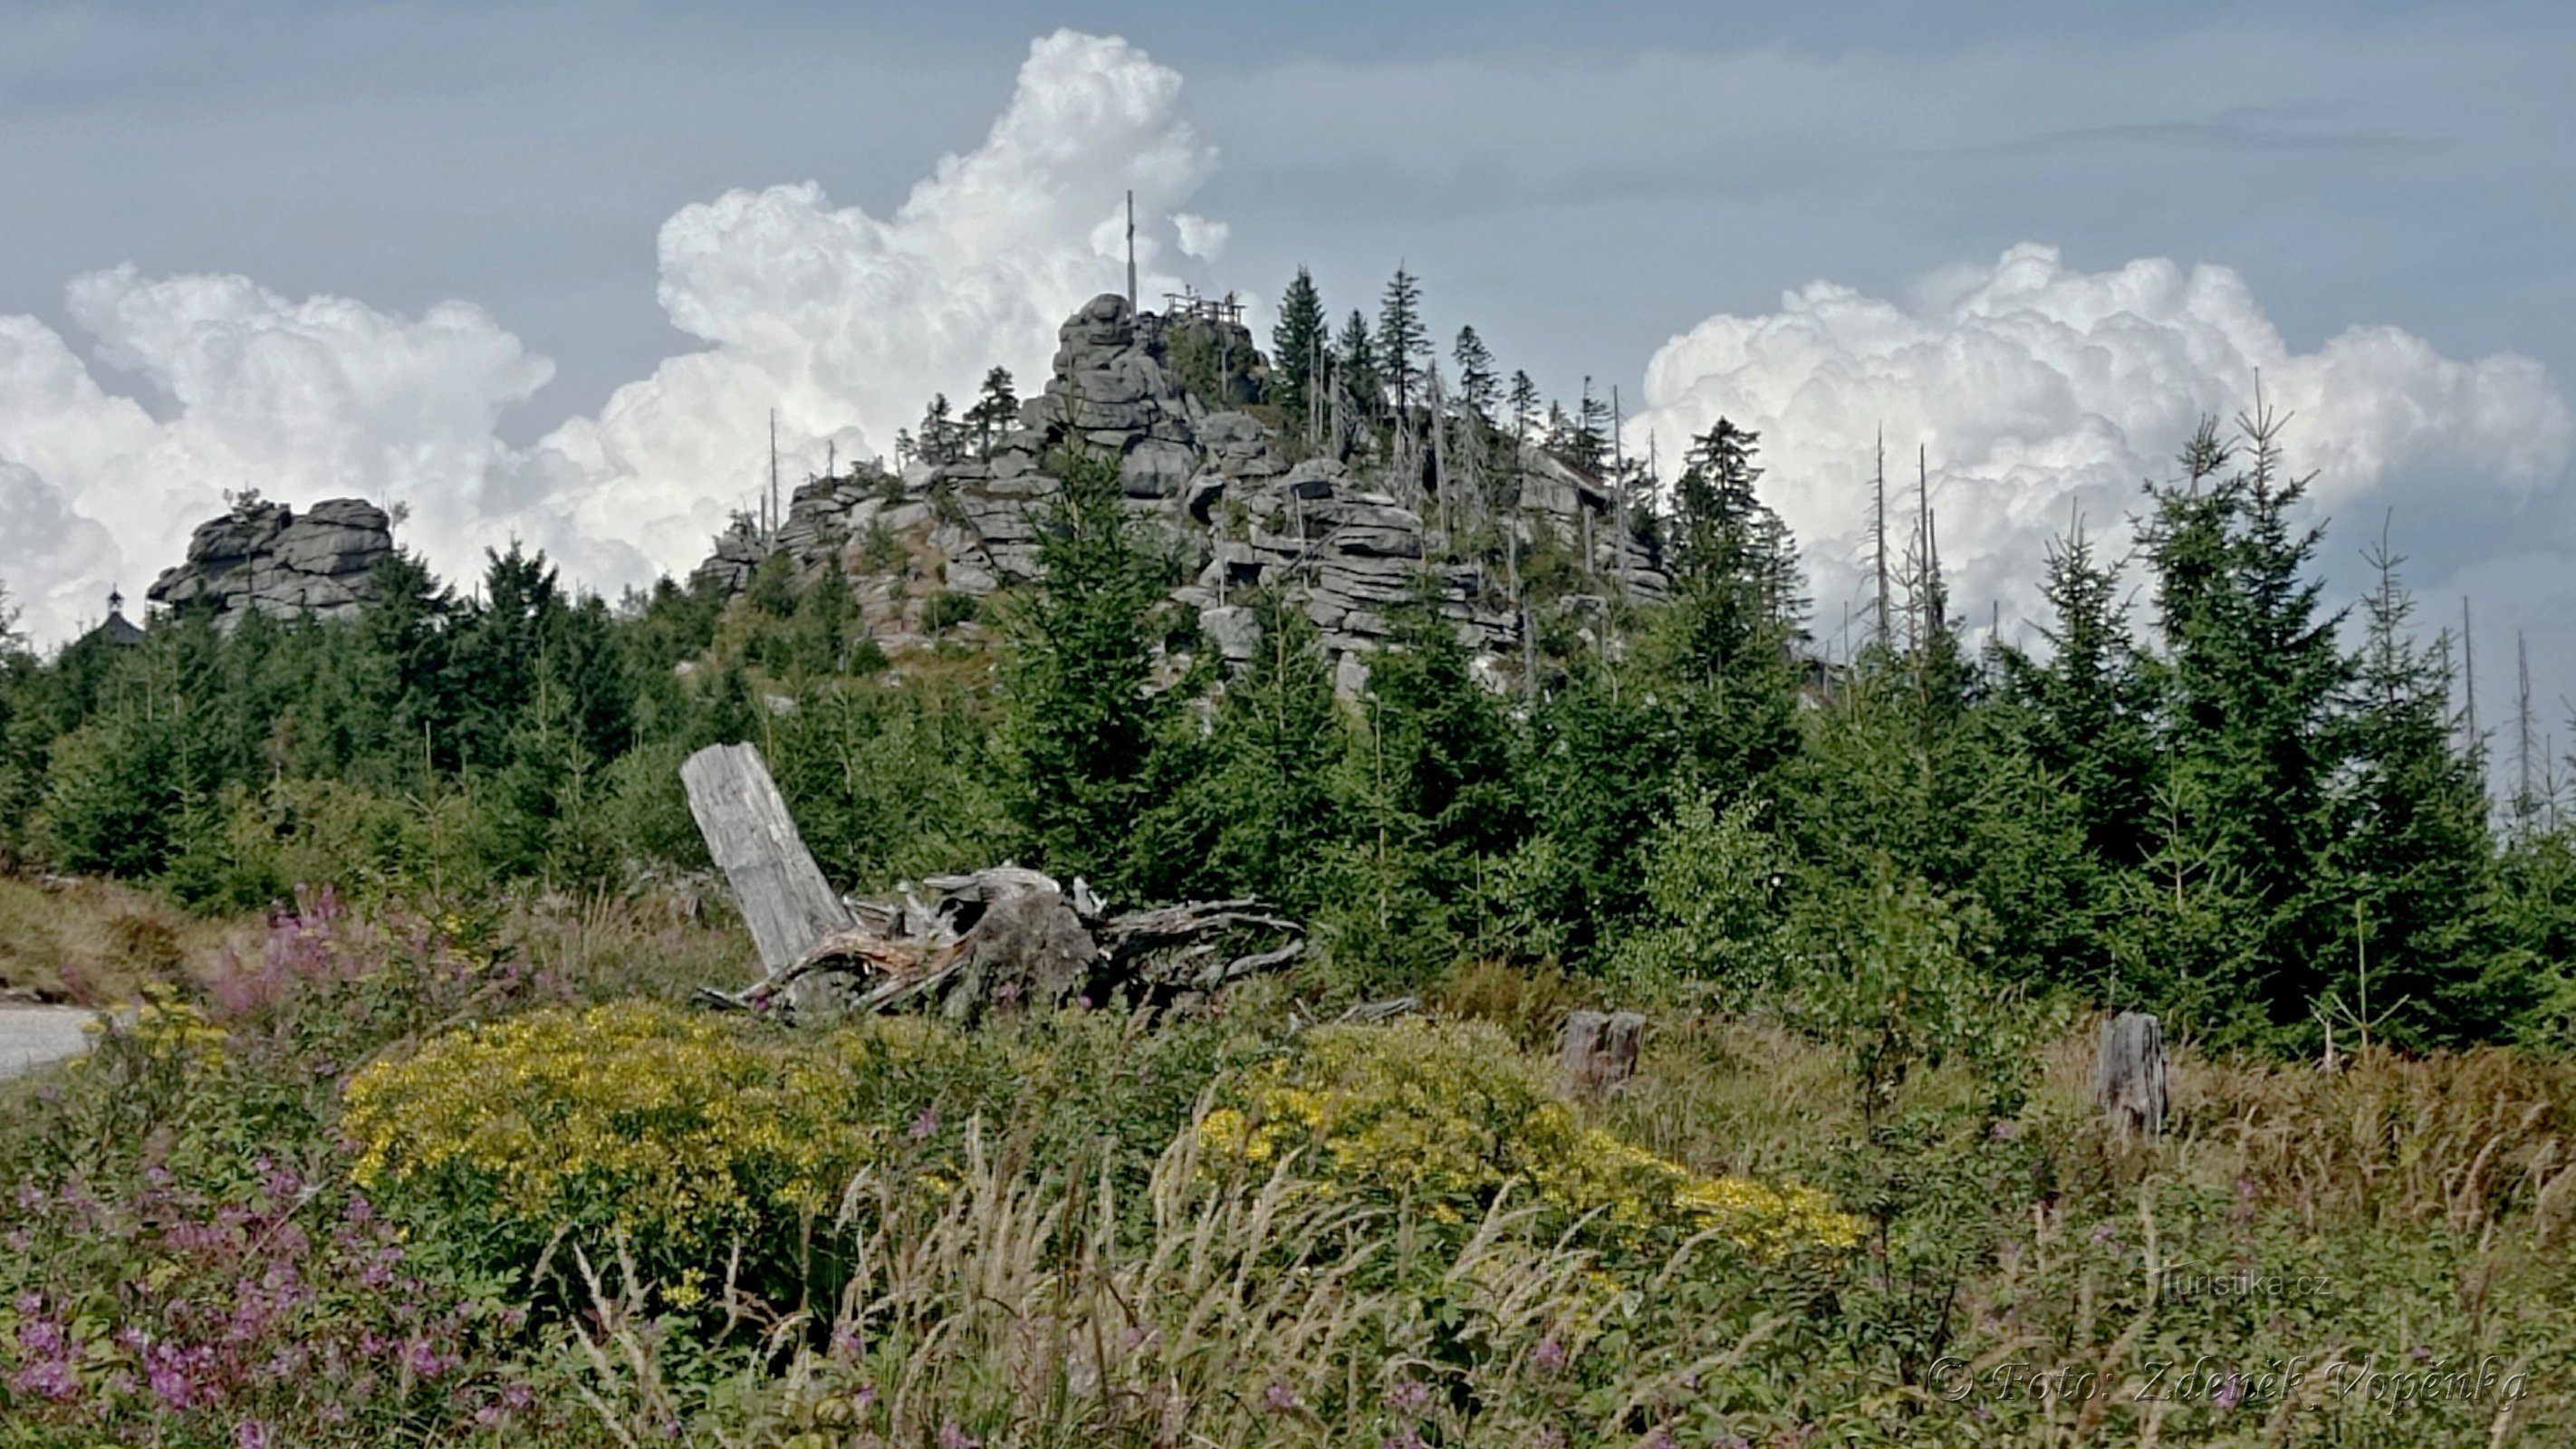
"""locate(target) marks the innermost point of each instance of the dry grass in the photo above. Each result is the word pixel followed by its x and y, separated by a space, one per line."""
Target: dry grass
pixel 1724 1095
pixel 95 943
pixel 2455 1140
pixel 660 945
pixel 1530 1003
pixel 1011 1309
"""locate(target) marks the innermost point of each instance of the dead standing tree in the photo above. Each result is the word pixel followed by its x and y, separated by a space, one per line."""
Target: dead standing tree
pixel 993 938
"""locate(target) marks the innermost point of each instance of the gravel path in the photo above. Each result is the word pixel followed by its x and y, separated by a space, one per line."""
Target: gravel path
pixel 31 1036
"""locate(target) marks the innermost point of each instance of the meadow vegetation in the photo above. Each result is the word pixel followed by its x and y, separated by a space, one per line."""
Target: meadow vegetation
pixel 376 1183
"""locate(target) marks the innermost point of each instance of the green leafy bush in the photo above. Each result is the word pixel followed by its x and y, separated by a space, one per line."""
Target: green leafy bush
pixel 1445 1119
pixel 682 1133
pixel 1713 884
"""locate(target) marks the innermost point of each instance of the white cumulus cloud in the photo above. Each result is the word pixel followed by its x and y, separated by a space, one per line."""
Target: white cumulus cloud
pixel 2038 390
pixel 299 400
pixel 847 324
pixel 843 323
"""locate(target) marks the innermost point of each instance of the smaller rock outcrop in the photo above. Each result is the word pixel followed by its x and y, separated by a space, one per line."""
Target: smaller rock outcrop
pixel 264 556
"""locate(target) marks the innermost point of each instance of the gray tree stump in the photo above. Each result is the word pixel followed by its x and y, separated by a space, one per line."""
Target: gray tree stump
pixel 784 898
pixel 1601 1050
pixel 2129 1076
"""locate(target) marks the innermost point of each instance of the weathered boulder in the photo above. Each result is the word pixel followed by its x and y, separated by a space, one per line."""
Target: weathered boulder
pixel 1157 468
pixel 738 551
pixel 262 556
pixel 1234 629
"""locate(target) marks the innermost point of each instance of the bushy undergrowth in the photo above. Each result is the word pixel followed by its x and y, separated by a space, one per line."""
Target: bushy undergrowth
pixel 383 1178
pixel 1445 1121
pixel 677 1132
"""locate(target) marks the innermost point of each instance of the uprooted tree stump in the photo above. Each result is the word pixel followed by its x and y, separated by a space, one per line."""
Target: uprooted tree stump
pixel 994 938
pixel 2129 1077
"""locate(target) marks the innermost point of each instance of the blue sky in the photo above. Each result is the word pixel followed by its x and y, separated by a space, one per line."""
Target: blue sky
pixel 1584 183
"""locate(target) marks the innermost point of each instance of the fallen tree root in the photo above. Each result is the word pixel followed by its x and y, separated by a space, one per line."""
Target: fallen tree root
pixel 991 938
pixel 1008 936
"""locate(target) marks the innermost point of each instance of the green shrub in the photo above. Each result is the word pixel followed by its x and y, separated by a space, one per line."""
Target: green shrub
pixel 1711 881
pixel 949 608
pixel 1446 1119
pixel 681 1133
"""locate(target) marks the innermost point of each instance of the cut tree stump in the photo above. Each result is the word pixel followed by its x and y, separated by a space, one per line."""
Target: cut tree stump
pixel 1601 1050
pixel 994 938
pixel 781 891
pixel 2129 1077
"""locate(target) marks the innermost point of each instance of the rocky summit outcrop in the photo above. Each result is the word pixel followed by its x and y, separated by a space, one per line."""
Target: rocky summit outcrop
pixel 1237 503
pixel 267 557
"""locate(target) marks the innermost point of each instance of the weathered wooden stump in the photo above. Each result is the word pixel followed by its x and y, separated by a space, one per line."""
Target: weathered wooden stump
pixel 1601 1050
pixel 781 891
pixel 2129 1076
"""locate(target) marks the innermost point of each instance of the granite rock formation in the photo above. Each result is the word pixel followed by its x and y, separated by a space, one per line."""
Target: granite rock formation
pixel 265 556
pixel 1228 496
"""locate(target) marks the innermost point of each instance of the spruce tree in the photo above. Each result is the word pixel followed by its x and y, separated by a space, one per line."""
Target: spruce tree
pixel 1587 436
pixel 1356 360
pixel 1598 768
pixel 405 650
pixel 1297 346
pixel 1478 388
pixel 2534 905
pixel 492 673
pixel 2413 858
pixel 995 412
pixel 1080 720
pixel 1525 411
pixel 1431 795
pixel 1253 808
pixel 937 441
pixel 2251 675
pixel 1403 346
pixel 23 737
pixel 1737 613
pixel 2088 709
pixel 2081 724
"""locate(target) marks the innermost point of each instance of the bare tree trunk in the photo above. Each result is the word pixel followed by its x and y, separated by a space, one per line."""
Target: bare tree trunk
pixel 781 891
pixel 1878 540
pixel 1440 482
